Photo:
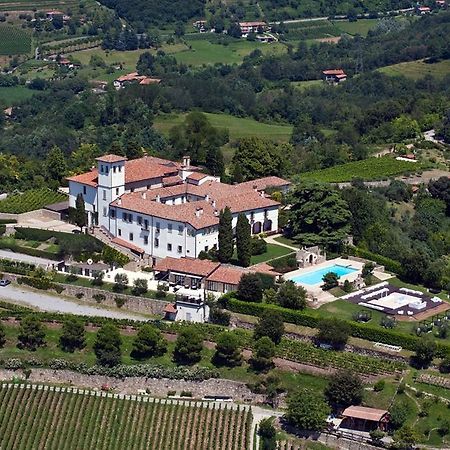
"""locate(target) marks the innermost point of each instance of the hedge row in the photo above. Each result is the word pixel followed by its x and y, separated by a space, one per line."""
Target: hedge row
pixel 17 267
pixel 28 250
pixel 389 264
pixel 40 283
pixel 363 331
pixel 7 221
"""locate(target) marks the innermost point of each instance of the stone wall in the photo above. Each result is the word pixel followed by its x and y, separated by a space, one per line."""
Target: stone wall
pixel 132 303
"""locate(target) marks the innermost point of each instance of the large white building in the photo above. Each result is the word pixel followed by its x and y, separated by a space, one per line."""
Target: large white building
pixel 162 208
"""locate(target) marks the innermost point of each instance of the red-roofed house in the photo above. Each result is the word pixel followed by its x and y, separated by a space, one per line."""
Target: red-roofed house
pixel 362 418
pixel 135 78
pixel 252 27
pixel 334 76
pixel 166 208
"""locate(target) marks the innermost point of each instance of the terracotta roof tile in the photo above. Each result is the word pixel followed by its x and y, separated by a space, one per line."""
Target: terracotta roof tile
pixel 190 266
pixel 361 412
pixel 111 158
pixel 172 180
pixel 170 309
pixel 264 183
pixel 127 244
pixel 89 178
pixel 197 176
pixel 147 80
pixel 333 72
pixel 227 274
pixel 149 167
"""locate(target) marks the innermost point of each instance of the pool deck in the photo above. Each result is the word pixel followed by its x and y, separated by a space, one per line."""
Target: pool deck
pixel 315 289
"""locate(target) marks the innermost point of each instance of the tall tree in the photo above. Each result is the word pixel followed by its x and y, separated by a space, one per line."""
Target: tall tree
pixel 243 240
pixel 107 346
pixel 148 342
pixel 31 333
pixel 228 351
pixel 73 335
pixel 214 161
pixel 79 216
pixel 55 164
pixel 319 215
pixel 344 389
pixel 225 235
pixel 188 346
pixel 271 325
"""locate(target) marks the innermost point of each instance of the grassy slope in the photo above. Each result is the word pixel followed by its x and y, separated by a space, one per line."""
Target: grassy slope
pixel 368 169
pixel 14 94
pixel 361 27
pixel 238 127
pixel 418 69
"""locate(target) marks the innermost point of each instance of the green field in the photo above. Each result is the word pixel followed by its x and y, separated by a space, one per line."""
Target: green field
pixel 303 85
pixel 418 69
pixel 367 169
pixel 237 126
pixel 14 40
pixel 30 200
pixel 61 418
pixel 32 5
pixel 360 27
pixel 14 94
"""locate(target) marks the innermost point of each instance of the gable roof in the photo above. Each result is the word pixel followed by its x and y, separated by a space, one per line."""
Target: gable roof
pixel 333 72
pixel 88 178
pixel 362 412
pixel 264 183
pixel 111 158
pixel 191 266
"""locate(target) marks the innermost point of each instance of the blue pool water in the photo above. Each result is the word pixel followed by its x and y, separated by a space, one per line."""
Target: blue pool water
pixel 316 276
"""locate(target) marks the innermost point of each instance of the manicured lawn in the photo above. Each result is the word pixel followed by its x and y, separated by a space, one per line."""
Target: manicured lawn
pixel 14 94
pixel 273 251
pixel 237 126
pixel 287 241
pixel 418 69
pixel 367 169
pixel 360 27
pixel 303 85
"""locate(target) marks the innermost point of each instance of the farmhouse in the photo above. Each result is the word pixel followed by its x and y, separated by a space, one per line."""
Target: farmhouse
pixel 134 78
pixel 162 208
pixel 334 76
pixel 365 419
pixel 422 10
pixel 253 27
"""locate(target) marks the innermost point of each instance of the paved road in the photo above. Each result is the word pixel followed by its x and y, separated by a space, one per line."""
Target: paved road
pixel 53 303
pixel 26 258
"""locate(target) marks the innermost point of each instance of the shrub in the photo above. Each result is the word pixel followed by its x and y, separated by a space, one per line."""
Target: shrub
pixel 188 346
pixel 73 335
pixel 330 281
pixel 186 394
pixel 161 291
pixel 344 389
pixel 333 331
pixel 140 286
pixel 107 346
pixel 379 385
pixel 148 342
pixel 31 333
pixel 228 352
pixel 121 282
pixel 120 301
pixel 291 296
pixel 99 297
pixel 219 316
pixel 250 288
pixel 263 353
pixel 270 324
pixel 258 246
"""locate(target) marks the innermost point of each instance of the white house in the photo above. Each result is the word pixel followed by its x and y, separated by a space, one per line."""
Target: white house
pixel 163 208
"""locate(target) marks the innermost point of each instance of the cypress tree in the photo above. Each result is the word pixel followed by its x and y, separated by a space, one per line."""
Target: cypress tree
pixel 243 240
pixel 79 217
pixel 225 235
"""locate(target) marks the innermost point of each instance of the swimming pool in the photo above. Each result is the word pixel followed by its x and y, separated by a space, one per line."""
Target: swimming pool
pixel 316 276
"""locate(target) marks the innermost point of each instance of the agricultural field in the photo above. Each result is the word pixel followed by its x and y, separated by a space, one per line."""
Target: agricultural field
pixel 367 169
pixel 418 69
pixel 361 27
pixel 30 200
pixel 32 5
pixel 61 418
pixel 238 127
pixel 303 85
pixel 14 94
pixel 14 40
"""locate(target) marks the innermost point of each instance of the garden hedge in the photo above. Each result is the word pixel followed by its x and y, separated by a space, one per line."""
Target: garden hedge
pixel 363 331
pixel 389 264
pixel 28 251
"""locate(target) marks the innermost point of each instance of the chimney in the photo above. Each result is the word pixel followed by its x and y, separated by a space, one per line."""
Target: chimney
pixel 186 161
pixel 255 188
pixel 262 194
pixel 158 199
pixel 144 195
pixel 207 198
pixel 216 213
pixel 199 212
pixel 213 203
pixel 119 201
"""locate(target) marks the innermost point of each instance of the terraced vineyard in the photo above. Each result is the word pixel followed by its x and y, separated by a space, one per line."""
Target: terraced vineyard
pixel 32 5
pixel 14 40
pixel 37 416
pixel 30 200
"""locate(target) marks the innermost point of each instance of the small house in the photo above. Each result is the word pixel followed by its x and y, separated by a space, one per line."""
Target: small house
pixel 422 10
pixel 252 27
pixel 334 76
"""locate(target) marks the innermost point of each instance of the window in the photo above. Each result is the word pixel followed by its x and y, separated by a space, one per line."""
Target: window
pixel 158 227
pixel 124 216
pixel 114 169
pixel 145 240
pixel 119 232
pixel 104 194
pixel 180 249
pixel 106 170
pixel 169 228
pixel 84 190
pixel 146 224
pixel 189 317
pixel 101 168
pixel 156 242
pixel 131 237
pixel 180 229
pixel 132 189
pixel 206 248
pixel 117 191
pixel 113 213
pixel 169 247
pixel 105 211
pixel 120 168
pixel 139 219
pixel 252 216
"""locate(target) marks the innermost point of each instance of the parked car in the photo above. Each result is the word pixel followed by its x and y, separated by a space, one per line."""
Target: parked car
pixel 4 282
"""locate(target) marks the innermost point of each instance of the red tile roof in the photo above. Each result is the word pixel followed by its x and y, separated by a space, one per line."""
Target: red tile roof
pixel 170 309
pixel 264 183
pixel 127 244
pixel 111 158
pixel 227 274
pixel 172 180
pixel 197 176
pixel 264 268
pixel 89 178
pixel 333 72
pixel 147 80
pixel 361 412
pixel 189 266
pixel 149 167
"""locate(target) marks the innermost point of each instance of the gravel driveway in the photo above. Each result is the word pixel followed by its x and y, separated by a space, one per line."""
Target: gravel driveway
pixel 26 258
pixel 53 303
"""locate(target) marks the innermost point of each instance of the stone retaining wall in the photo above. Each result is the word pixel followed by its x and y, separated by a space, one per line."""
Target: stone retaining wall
pixel 132 303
